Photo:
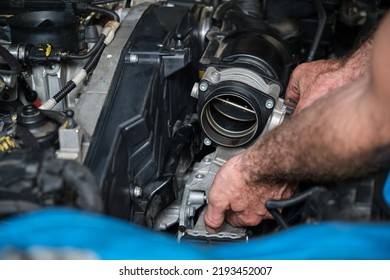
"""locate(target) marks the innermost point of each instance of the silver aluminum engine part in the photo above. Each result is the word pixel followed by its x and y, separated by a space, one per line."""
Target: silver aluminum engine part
pixel 74 142
pixel 243 75
pixel 196 190
pixel 48 80
pixel 8 85
pixel 231 138
pixel 73 146
pixel 92 98
pixel 189 212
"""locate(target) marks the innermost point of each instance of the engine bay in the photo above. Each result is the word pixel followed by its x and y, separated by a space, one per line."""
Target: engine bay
pixel 131 108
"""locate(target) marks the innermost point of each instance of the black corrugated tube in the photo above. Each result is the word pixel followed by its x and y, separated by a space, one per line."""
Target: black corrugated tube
pixel 92 62
pixel 89 66
pixel 70 85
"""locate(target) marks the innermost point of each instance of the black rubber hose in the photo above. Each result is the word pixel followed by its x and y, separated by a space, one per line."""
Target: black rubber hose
pixel 275 204
pixel 94 49
pixel 105 11
pixel 320 29
pixel 279 219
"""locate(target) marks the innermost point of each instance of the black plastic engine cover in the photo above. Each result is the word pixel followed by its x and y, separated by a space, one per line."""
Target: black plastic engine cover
pixel 149 94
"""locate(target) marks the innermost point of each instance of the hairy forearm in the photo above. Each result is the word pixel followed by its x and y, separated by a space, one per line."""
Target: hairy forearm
pixel 356 63
pixel 340 136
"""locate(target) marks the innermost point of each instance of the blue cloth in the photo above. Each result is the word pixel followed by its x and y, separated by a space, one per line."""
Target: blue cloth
pixel 386 190
pixel 111 238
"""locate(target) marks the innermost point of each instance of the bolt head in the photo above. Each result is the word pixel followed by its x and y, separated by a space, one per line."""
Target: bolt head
pixel 207 141
pixel 203 86
pixel 269 104
pixel 137 191
pixel 133 58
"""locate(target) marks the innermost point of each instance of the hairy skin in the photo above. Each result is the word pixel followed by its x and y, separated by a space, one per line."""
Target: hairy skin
pixel 346 134
pixel 313 80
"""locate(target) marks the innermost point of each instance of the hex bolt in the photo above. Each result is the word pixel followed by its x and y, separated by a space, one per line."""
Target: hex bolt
pixel 203 86
pixel 207 141
pixel 137 191
pixel 133 58
pixel 269 104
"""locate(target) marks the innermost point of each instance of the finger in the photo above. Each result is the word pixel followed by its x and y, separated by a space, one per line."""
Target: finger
pixel 232 219
pixel 214 218
pixel 240 220
pixel 292 93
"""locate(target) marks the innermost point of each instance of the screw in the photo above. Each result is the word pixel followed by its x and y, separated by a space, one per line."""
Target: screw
pixel 137 191
pixel 199 176
pixel 269 104
pixel 203 86
pixel 207 159
pixel 207 141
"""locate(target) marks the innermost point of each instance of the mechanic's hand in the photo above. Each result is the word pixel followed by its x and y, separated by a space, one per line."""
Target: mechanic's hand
pixel 232 198
pixel 312 80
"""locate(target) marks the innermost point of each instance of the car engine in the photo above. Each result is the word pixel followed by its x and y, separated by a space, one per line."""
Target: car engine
pixel 131 108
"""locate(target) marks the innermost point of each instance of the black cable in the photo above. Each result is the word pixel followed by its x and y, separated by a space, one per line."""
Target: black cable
pixel 105 11
pixel 279 219
pixel 94 49
pixel 320 29
pixel 273 205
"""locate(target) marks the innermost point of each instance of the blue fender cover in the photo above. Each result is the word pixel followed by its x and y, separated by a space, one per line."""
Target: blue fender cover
pixel 110 238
